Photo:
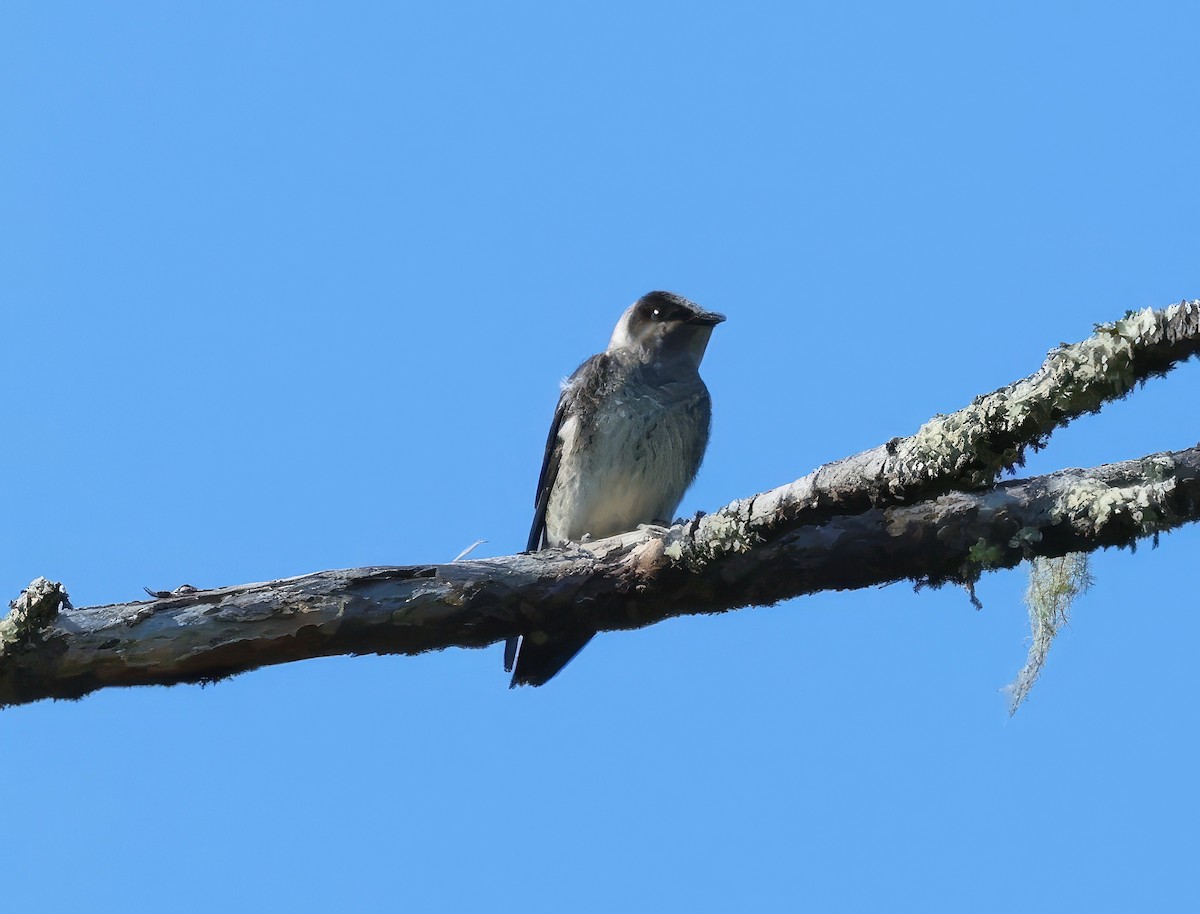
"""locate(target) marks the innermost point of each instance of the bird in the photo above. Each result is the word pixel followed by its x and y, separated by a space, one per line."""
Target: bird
pixel 626 441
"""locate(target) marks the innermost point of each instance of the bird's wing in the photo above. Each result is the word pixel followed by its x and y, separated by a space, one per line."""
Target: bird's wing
pixel 540 661
pixel 585 384
pixel 545 485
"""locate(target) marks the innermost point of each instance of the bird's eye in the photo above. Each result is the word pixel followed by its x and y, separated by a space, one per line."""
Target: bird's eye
pixel 656 315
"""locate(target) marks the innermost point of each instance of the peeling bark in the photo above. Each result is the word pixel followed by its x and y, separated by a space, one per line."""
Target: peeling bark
pixel 921 508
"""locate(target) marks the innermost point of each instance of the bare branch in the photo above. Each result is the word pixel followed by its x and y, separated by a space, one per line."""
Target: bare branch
pixel 702 566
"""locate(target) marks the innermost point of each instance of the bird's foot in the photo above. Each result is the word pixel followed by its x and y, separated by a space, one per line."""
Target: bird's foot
pixel 579 548
pixel 658 528
pixel 181 591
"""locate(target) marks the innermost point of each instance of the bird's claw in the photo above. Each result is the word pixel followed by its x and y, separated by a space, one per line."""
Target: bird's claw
pixel 658 528
pixel 181 591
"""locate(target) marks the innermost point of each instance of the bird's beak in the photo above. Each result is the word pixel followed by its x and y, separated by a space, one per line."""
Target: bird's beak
pixel 706 318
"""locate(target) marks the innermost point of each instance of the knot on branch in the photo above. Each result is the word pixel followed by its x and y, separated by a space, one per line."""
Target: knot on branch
pixel 33 611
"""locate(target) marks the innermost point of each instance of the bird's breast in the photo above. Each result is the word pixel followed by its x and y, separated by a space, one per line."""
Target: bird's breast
pixel 626 461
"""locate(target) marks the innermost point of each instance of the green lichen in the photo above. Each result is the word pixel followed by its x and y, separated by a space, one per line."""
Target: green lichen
pixel 985 555
pixel 1025 538
pixel 980 557
pixel 727 531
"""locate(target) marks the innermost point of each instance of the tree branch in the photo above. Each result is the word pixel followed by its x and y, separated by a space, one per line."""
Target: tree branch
pixel 972 447
pixel 913 509
pixel 625 582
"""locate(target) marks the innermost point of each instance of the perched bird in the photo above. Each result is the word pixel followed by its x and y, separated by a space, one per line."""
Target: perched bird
pixel 626 441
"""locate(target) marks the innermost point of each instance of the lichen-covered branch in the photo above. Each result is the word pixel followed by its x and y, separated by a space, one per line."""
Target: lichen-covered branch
pixel 624 582
pixel 972 447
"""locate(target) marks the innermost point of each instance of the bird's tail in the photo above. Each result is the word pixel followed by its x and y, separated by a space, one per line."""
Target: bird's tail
pixel 537 661
pixel 510 653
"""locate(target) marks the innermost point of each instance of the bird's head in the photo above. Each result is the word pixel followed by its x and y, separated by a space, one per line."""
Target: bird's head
pixel 664 328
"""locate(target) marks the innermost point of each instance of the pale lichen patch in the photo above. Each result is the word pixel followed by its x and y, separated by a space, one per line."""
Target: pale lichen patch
pixel 673 548
pixel 34 610
pixel 1097 504
pixel 727 530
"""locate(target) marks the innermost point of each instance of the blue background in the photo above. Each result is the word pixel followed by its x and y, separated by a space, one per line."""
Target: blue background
pixel 290 286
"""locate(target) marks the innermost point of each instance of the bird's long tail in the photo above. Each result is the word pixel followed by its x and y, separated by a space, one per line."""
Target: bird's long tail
pixel 510 653
pixel 536 661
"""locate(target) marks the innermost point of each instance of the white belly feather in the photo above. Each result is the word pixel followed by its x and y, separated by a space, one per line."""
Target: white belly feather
pixel 630 466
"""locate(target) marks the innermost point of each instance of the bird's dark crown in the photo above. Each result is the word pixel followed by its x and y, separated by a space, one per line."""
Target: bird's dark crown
pixel 664 306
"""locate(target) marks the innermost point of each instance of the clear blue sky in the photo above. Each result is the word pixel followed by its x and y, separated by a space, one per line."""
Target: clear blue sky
pixel 290 286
